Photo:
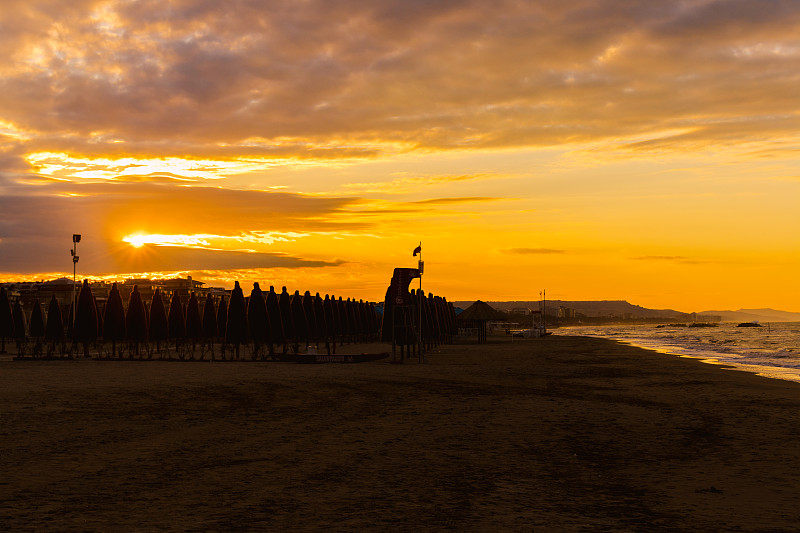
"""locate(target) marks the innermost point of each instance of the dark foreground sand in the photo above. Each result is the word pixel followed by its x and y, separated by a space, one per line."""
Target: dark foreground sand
pixel 554 434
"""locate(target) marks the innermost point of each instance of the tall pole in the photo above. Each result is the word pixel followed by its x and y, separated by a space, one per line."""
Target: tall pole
pixel 76 238
pixel 421 267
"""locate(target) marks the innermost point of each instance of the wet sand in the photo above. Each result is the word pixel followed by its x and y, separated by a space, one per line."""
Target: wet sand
pixel 553 434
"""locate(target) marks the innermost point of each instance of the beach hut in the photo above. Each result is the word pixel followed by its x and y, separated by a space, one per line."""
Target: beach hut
pixel 474 318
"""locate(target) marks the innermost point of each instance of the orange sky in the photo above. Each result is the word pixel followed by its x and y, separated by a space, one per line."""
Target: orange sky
pixel 598 149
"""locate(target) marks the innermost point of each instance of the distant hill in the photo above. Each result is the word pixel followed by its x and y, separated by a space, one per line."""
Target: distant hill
pixel 756 315
pixel 588 308
pixel 621 308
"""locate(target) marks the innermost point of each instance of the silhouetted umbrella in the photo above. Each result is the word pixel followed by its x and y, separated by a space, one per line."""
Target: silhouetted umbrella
pixel 54 331
pixel 114 319
pixel 210 329
pixel 194 321
pixel 275 320
pixel 311 316
pixel 236 329
pixel 335 325
pixel 20 324
pixel 330 323
pixel 136 319
pixel 299 319
pixel 319 313
pixel 86 326
pixel 159 328
pixel 176 321
pixel 6 320
pixel 257 319
pixel 37 321
pixel 285 304
pixel 222 318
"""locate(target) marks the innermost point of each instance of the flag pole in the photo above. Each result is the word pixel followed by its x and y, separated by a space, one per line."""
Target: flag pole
pixel 421 266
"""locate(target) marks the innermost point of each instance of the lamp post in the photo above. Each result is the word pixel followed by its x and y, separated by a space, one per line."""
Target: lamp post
pixel 76 238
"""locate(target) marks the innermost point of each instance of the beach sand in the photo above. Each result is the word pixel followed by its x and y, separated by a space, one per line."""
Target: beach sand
pixel 552 434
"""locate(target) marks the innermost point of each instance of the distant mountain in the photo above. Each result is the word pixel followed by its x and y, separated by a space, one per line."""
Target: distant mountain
pixel 756 315
pixel 621 308
pixel 599 308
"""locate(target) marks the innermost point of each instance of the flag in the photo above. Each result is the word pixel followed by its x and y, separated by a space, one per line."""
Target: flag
pixel 418 250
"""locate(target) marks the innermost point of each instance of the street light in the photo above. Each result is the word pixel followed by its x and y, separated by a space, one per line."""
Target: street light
pixel 76 238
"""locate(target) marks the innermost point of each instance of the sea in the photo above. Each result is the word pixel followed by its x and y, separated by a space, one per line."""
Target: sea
pixel 771 350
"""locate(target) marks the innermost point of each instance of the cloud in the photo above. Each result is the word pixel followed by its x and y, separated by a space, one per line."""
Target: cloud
pixel 363 79
pixel 36 229
pixel 673 259
pixel 533 251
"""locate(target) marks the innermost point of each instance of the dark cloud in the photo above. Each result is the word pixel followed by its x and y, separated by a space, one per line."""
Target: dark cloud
pixel 36 229
pixel 429 74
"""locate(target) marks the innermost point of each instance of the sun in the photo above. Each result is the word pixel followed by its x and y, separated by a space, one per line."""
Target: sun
pixel 136 240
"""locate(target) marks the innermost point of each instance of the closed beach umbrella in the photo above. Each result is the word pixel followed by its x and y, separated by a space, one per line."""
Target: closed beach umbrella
pixel 54 331
pixel 86 325
pixel 236 330
pixel 20 323
pixel 222 318
pixel 37 321
pixel 159 328
pixel 6 320
pixel 176 320
pixel 114 319
pixel 257 319
pixel 275 320
pixel 136 320
pixel 319 313
pixel 299 319
pixel 194 321
pixel 209 319
pixel 330 323
pixel 311 316
pixel 285 304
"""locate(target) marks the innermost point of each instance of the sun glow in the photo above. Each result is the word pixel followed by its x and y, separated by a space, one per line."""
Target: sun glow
pixel 138 240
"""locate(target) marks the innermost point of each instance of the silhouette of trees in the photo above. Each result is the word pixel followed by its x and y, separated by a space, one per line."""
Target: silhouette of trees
pixel 114 320
pixel 136 321
pixel 6 320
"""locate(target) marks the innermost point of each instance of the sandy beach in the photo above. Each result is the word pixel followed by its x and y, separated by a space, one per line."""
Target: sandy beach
pixel 553 434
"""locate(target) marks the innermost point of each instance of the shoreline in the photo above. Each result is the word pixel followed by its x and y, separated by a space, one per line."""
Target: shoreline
pixel 784 373
pixel 553 434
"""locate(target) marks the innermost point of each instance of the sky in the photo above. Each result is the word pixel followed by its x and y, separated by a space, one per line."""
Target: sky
pixel 600 149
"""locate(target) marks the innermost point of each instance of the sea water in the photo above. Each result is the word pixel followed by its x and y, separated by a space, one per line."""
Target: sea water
pixel 771 350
